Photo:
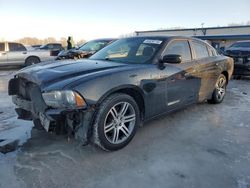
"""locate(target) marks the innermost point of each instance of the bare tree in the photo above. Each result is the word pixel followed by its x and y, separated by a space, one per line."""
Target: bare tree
pixel 49 40
pixel 29 41
pixel 36 41
pixel 80 42
pixel 63 41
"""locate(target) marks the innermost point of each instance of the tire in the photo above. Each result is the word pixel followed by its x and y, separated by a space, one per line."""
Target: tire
pixel 219 91
pixel 37 124
pixel 32 61
pixel 116 122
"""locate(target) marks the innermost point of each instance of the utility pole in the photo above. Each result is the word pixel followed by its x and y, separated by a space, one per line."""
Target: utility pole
pixel 204 31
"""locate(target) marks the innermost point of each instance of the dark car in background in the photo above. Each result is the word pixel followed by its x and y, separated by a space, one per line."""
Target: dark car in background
pixel 105 98
pixel 36 46
pixel 240 52
pixel 51 46
pixel 55 48
pixel 86 50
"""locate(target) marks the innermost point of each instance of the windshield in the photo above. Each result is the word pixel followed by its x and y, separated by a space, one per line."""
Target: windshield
pixel 241 45
pixel 93 45
pixel 131 50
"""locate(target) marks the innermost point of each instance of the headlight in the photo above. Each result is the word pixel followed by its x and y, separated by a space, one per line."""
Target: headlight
pixel 66 99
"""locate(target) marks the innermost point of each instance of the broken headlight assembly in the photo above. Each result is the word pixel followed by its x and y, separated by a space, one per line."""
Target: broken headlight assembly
pixel 64 99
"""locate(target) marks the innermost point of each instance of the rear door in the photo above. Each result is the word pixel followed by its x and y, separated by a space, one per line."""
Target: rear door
pixel 3 54
pixel 182 81
pixel 17 54
pixel 205 57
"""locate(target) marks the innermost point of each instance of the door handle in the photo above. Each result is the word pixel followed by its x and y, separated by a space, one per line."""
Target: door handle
pixel 24 52
pixel 3 53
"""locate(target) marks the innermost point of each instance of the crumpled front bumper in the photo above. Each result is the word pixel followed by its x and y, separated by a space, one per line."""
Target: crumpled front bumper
pixel 28 98
pixel 27 110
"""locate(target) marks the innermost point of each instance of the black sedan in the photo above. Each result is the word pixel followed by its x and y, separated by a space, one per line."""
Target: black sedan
pixel 84 51
pixel 104 99
pixel 240 52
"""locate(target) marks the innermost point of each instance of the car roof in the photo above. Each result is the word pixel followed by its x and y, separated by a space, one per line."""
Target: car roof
pixel 53 43
pixel 103 39
pixel 168 37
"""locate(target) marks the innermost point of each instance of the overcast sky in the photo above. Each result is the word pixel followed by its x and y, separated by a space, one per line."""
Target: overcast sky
pixel 90 19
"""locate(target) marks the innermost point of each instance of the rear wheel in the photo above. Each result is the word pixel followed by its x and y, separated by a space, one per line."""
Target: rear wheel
pixel 116 122
pixel 219 91
pixel 32 61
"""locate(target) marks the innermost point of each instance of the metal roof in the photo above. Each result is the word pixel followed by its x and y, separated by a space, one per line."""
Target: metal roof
pixel 224 37
pixel 193 29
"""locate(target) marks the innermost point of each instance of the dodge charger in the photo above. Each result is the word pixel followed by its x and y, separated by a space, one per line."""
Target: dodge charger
pixel 104 99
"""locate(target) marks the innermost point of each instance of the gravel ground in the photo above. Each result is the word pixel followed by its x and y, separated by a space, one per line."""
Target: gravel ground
pixel 201 146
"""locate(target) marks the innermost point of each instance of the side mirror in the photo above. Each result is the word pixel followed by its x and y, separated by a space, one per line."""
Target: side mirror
pixel 172 58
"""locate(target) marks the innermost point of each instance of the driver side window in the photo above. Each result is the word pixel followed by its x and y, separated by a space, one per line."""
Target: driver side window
pixel 179 47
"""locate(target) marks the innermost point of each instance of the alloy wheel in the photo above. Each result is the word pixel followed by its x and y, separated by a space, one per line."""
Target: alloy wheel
pixel 221 87
pixel 119 122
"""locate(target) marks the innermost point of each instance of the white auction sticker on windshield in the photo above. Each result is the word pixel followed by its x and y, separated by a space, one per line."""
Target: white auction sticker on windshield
pixel 147 41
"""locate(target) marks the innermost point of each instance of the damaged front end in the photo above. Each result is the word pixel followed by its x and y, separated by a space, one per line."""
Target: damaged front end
pixel 58 111
pixel 241 62
pixel 242 66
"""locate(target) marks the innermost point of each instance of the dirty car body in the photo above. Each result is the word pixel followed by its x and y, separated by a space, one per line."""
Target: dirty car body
pixel 126 83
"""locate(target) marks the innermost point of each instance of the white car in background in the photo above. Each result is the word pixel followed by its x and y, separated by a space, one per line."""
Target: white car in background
pixel 16 54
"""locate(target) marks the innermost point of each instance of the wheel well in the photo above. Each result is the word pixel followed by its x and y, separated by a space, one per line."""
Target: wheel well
pixel 136 95
pixel 225 73
pixel 31 57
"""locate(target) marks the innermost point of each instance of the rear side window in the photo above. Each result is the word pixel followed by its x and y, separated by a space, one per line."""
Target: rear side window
pixel 179 48
pixel 2 46
pixel 16 47
pixel 212 51
pixel 57 45
pixel 200 50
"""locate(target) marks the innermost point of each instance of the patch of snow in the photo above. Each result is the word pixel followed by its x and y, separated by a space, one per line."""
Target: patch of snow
pixel 21 130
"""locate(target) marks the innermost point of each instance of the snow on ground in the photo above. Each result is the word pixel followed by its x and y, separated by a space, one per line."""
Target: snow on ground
pixel 11 128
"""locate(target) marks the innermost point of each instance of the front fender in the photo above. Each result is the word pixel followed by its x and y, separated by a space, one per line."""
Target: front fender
pixel 95 91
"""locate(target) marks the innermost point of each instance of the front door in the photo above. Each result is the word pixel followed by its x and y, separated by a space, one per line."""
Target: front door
pixel 183 83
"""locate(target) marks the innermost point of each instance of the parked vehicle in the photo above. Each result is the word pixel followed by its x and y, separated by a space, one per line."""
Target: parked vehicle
pixel 105 98
pixel 12 53
pixel 240 51
pixel 51 46
pixel 36 46
pixel 84 51
pixel 54 48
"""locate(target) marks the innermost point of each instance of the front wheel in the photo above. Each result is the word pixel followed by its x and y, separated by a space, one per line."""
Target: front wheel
pixel 116 122
pixel 219 91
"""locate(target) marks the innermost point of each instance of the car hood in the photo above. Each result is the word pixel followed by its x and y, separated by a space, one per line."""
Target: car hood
pixel 237 52
pixel 66 71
